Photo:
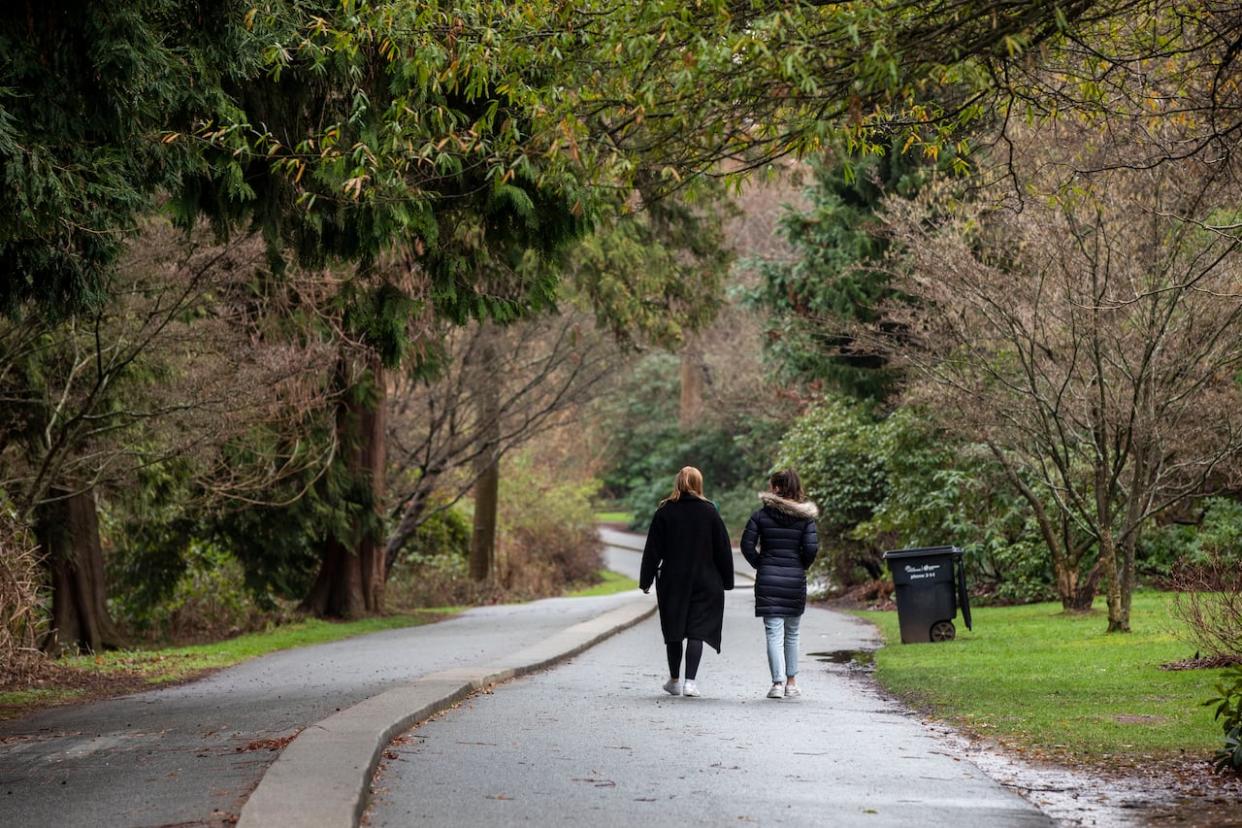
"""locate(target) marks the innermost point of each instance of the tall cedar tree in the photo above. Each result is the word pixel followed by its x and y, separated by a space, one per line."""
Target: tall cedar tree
pixel 837 277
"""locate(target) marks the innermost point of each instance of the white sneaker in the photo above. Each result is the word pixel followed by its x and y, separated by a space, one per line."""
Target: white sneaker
pixel 691 689
pixel 777 691
pixel 672 687
pixel 794 692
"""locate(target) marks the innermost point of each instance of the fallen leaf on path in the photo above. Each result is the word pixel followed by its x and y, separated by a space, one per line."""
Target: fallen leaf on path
pixel 267 744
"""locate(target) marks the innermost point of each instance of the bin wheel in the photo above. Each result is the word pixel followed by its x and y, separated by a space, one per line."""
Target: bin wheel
pixel 943 631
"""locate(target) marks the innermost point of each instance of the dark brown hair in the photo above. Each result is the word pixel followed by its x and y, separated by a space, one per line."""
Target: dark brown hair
pixel 788 485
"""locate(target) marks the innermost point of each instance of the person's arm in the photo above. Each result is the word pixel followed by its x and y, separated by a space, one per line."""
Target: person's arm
pixel 722 552
pixel 750 540
pixel 810 544
pixel 653 553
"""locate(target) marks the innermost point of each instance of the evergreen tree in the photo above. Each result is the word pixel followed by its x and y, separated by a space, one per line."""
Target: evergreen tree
pixel 86 90
pixel 836 278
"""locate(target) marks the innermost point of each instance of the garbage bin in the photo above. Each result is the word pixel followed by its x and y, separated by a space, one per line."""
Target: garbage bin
pixel 931 585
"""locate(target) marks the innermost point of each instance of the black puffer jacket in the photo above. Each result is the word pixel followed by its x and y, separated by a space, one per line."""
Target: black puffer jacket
pixel 780 541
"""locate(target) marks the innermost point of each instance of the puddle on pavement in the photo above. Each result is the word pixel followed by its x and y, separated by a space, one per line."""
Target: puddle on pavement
pixel 854 659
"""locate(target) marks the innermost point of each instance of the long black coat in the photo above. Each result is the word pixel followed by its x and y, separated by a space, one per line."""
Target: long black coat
pixel 781 542
pixel 689 558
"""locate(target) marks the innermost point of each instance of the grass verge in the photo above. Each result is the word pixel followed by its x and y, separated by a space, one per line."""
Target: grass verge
pixel 112 673
pixel 612 582
pixel 1056 686
pixel 614 517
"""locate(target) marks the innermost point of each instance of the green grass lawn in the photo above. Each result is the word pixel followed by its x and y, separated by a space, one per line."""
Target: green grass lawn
pixel 127 670
pixel 13 702
pixel 614 517
pixel 173 663
pixel 1055 684
pixel 612 582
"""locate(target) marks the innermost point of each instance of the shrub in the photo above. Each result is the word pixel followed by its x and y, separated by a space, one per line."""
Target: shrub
pixel 438 581
pixel 547 536
pixel 1209 602
pixel 209 600
pixel 1207 580
pixel 21 622
pixel 895 481
pixel 434 571
pixel 1166 549
pixel 833 448
pixel 736 505
pixel 546 540
pixel 445 532
pixel 1229 713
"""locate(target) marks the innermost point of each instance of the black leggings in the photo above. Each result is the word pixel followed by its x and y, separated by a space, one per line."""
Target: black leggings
pixel 694 653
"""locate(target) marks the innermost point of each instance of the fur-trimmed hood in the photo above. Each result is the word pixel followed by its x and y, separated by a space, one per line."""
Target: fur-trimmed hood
pixel 806 510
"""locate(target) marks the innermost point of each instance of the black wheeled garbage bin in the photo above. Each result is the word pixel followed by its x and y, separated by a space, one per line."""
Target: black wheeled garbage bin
pixel 931 585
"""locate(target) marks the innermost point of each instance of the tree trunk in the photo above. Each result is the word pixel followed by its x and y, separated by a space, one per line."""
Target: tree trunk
pixel 337 591
pixel 68 533
pixel 693 378
pixel 371 459
pixel 1077 593
pixel 1127 574
pixel 487 486
pixel 1067 583
pixel 350 582
pixel 1118 610
pixel 483 538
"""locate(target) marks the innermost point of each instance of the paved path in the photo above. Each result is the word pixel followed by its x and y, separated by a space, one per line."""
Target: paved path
pixel 178 756
pixel 594 742
pixel 623 553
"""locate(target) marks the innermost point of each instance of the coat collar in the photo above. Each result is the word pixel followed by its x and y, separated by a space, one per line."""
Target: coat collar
pixel 806 510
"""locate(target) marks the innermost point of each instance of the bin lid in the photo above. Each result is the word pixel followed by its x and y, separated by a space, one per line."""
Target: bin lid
pixel 922 551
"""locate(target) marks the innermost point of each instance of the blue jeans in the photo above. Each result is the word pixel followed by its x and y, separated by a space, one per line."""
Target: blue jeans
pixel 782 646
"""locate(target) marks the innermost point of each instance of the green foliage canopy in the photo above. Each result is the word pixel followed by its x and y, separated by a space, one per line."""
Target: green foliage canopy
pixel 85 91
pixel 344 128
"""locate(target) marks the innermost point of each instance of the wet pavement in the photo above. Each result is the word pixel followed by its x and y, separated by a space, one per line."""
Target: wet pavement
pixel 596 742
pixel 189 755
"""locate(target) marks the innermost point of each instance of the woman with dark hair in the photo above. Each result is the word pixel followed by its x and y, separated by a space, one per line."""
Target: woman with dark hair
pixel 690 560
pixel 780 541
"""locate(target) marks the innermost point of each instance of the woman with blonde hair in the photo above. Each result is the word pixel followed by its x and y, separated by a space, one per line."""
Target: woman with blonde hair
pixel 690 560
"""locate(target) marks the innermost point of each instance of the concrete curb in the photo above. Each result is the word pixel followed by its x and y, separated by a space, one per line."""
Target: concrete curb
pixel 322 779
